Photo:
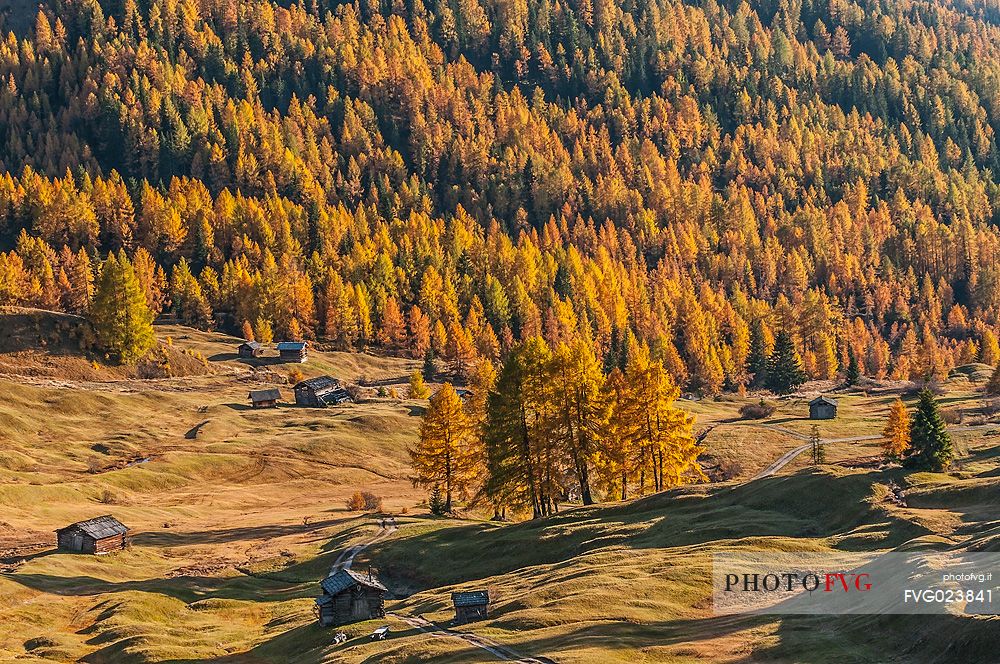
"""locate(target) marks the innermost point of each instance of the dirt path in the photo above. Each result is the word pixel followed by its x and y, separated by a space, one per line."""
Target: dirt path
pixel 501 652
pixel 787 457
pixel 347 556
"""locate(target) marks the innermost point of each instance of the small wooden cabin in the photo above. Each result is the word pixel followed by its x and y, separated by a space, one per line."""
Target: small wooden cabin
pixel 293 351
pixel 350 597
pixel 471 605
pixel 321 392
pixel 250 349
pixel 98 536
pixel 822 408
pixel 265 398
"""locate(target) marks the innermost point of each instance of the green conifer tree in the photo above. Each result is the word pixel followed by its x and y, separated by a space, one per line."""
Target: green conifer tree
pixel 853 370
pixel 930 444
pixel 784 369
pixel 436 502
pixel 430 368
pixel 121 317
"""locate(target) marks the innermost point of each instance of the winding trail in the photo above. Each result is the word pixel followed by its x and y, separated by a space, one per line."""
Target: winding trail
pixel 788 456
pixel 347 556
pixel 500 651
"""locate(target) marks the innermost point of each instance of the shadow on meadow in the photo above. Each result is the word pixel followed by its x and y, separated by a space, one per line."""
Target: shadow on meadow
pixel 808 504
pixel 298 580
pixel 170 537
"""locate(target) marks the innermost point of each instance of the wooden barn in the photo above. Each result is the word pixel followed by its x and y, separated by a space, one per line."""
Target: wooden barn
pixel 250 349
pixel 99 536
pixel 293 351
pixel 350 597
pixel 471 605
pixel 320 392
pixel 822 408
pixel 265 398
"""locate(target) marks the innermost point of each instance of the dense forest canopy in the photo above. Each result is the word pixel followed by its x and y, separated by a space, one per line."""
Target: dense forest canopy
pixel 460 175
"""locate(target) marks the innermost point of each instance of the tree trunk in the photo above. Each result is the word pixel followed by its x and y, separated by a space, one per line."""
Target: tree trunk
pixel 529 466
pixel 447 482
pixel 585 485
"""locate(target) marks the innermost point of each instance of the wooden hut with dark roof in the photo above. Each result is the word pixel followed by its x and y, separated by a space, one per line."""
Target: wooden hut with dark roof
pixel 98 536
pixel 250 349
pixel 471 605
pixel 822 408
pixel 293 351
pixel 321 392
pixel 350 597
pixel 265 398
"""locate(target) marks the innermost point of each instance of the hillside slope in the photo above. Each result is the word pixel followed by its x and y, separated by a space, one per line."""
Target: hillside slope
pixel 238 513
pixel 633 583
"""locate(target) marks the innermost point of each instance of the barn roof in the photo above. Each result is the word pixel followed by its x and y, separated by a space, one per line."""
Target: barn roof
pixel 343 579
pixel 100 527
pixel 319 384
pixel 291 345
pixel 255 345
pixel 823 399
pixel 272 394
pixel 471 598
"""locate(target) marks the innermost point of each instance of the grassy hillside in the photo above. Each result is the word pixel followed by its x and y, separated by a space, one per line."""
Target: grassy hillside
pixel 632 583
pixel 238 513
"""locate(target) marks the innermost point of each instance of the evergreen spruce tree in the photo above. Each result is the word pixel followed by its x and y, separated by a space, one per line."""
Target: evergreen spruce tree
pixel 119 312
pixel 784 369
pixel 430 369
pixel 853 371
pixel 436 502
pixel 756 366
pixel 930 444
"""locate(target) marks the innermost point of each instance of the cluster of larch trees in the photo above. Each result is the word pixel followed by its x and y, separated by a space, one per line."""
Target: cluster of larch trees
pixel 552 425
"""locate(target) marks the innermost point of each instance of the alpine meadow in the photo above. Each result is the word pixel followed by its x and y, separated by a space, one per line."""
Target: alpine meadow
pixel 499 330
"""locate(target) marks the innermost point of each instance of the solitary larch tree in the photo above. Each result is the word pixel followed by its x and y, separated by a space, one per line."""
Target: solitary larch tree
pixel 119 312
pixel 896 432
pixel 444 455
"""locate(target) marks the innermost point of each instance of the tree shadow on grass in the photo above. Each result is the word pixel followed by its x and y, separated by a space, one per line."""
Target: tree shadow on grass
pixel 186 588
pixel 170 537
pixel 809 504
pixel 295 581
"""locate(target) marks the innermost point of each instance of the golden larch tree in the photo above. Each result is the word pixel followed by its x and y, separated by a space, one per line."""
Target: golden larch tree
pixel 897 431
pixel 445 455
